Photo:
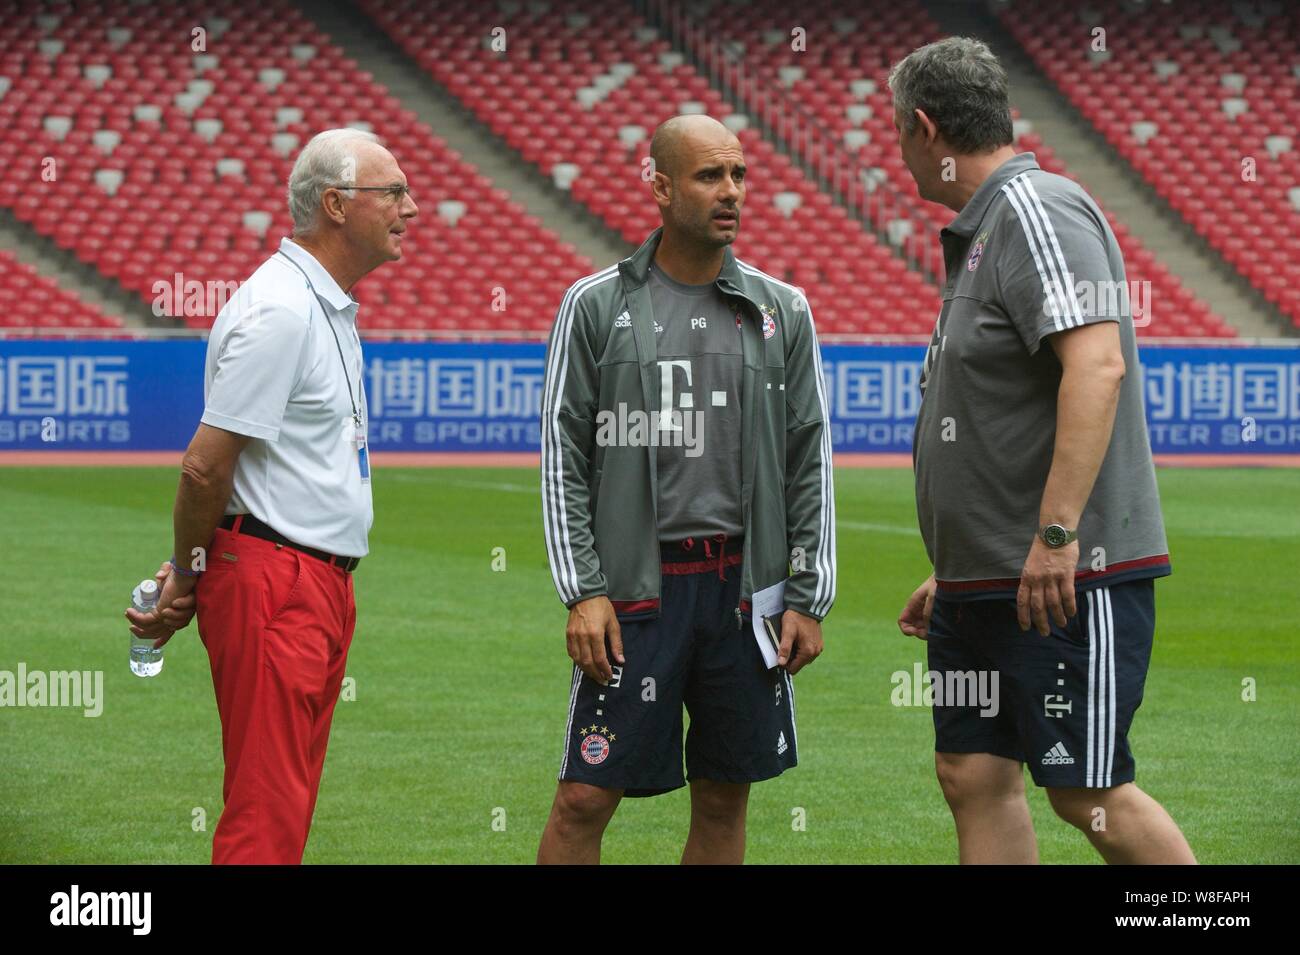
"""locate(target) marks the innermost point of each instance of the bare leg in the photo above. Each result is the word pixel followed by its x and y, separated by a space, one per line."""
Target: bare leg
pixel 1131 828
pixel 577 822
pixel 717 834
pixel 986 794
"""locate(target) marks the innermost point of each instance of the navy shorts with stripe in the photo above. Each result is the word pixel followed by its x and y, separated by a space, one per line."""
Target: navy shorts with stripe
pixel 1065 701
pixel 628 735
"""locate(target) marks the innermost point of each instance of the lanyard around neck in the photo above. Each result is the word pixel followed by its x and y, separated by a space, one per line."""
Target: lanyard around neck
pixel 356 414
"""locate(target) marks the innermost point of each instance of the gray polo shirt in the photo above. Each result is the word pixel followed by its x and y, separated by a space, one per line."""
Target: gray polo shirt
pixel 1030 255
pixel 701 370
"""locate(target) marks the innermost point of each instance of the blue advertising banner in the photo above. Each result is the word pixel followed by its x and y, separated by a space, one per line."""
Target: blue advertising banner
pixel 459 396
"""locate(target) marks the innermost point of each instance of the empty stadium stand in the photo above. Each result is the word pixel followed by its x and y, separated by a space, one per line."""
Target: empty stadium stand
pixel 1206 106
pixel 838 75
pixel 32 300
pixel 579 88
pixel 153 143
pixel 168 160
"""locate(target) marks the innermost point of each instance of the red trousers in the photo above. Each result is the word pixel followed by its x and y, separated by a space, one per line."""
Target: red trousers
pixel 277 625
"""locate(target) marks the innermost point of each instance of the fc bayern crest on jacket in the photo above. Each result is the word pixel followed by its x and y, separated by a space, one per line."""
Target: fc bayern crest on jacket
pixel 976 252
pixel 769 320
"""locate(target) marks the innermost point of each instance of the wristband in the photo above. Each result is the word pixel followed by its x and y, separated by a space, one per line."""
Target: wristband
pixel 181 570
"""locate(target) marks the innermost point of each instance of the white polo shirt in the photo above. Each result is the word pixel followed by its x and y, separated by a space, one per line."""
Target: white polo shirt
pixel 273 372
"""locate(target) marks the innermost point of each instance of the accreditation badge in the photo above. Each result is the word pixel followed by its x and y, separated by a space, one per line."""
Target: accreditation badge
pixel 363 454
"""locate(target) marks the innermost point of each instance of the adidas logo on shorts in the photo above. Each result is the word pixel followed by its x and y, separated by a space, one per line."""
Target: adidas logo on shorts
pixel 781 744
pixel 1057 756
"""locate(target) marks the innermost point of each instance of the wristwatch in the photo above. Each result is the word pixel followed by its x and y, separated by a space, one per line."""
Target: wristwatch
pixel 1054 535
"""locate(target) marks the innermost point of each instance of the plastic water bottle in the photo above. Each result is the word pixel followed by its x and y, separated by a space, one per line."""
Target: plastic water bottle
pixel 145 660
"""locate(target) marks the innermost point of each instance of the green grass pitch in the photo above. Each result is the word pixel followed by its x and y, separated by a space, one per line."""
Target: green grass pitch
pixel 462 685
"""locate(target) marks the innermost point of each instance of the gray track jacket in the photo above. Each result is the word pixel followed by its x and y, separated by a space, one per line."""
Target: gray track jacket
pixel 599 500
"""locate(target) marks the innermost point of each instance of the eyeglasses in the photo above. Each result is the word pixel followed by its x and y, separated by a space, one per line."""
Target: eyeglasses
pixel 397 192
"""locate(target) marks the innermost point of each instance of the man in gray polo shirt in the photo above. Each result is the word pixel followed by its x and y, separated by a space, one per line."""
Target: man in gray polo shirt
pixel 1035 487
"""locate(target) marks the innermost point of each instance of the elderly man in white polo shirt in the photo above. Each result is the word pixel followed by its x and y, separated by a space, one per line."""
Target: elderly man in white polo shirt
pixel 274 506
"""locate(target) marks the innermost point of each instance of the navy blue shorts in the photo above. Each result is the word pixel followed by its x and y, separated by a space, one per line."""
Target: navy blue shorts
pixel 628 735
pixel 1064 702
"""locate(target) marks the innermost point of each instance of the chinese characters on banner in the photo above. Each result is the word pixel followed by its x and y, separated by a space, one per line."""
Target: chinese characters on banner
pixel 450 396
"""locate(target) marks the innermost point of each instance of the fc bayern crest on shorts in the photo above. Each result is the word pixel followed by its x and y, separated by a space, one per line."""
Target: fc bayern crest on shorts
pixel 594 746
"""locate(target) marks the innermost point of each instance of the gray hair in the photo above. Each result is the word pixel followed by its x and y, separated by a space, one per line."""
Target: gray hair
pixel 961 86
pixel 328 159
